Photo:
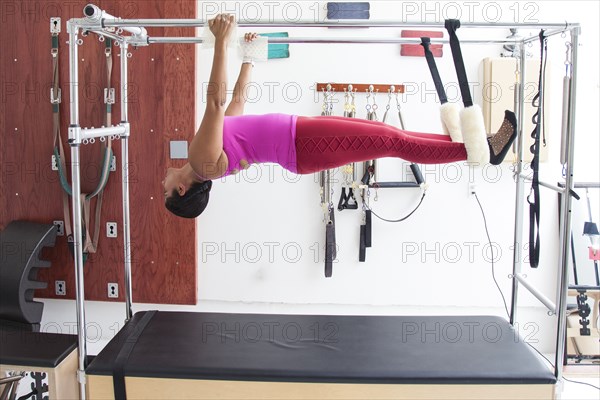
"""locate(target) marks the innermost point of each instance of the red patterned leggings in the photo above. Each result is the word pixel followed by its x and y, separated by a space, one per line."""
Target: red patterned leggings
pixel 329 142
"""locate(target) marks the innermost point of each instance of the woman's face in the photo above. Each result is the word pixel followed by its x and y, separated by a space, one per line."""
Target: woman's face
pixel 172 182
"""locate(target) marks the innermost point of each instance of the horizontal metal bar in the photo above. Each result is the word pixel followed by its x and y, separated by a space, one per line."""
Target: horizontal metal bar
pixel 549 33
pixel 90 133
pixel 538 295
pixel 584 287
pixel 584 185
pixel 328 24
pixel 392 185
pixel 544 184
pixel 317 40
pixel 10 379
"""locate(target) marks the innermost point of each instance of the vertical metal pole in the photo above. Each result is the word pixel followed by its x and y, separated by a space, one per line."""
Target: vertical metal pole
pixel 76 204
pixel 518 226
pixel 565 215
pixel 125 182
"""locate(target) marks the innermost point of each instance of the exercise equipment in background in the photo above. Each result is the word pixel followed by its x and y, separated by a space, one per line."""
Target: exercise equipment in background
pixel 543 386
pixel 59 157
pixel 22 243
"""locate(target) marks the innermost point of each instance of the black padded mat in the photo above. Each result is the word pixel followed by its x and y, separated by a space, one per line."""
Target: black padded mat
pixel 315 348
pixel 20 347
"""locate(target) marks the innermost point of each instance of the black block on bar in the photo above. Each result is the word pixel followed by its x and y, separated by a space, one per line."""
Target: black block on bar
pixel 348 10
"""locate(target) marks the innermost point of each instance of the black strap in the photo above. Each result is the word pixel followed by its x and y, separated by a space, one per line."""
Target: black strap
pixel 435 75
pixel 351 203
pixel 362 250
pixel 574 260
pixel 123 356
pixel 451 26
pixel 534 234
pixel 330 244
pixel 29 395
pixel 534 197
pixel 366 179
pixel 347 200
pixel 368 228
pixel 416 171
pixel 343 199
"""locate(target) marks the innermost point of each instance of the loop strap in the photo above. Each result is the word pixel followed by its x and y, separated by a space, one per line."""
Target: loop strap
pixel 534 198
pixel 347 200
pixel 343 199
pixel 451 26
pixel 435 75
pixel 119 388
pixel 91 242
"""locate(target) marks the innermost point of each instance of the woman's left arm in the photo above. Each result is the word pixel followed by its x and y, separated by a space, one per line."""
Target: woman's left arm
pixel 236 106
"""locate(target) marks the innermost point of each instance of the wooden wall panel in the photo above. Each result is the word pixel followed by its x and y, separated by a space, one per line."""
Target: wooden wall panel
pixel 161 108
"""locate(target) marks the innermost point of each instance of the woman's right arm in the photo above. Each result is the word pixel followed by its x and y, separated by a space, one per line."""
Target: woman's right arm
pixel 206 156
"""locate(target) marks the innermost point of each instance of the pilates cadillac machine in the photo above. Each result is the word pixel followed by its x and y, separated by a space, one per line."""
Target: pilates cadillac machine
pixel 128 33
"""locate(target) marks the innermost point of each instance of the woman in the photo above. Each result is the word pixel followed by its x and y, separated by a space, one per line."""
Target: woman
pixel 227 141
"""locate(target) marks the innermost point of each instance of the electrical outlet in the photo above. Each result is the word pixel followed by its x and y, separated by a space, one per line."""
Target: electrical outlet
pixel 472 189
pixel 60 228
pixel 111 229
pixel 60 288
pixel 113 290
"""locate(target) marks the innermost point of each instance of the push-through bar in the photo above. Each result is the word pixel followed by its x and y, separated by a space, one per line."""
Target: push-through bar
pixel 174 23
pixel 341 40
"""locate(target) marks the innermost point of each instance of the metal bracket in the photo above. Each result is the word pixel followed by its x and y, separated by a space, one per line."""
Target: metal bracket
pixel 60 288
pixel 111 229
pixel 73 26
pixel 60 228
pixel 74 135
pixel 138 40
pixel 109 95
pixel 113 290
pixel 113 164
pixel 81 377
pixel 126 126
pixel 55 25
pixel 57 99
pixel 54 163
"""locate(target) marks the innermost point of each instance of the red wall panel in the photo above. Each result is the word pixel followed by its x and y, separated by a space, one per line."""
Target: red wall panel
pixel 161 109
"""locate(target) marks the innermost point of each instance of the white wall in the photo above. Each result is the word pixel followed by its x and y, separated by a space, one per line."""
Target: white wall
pixel 261 238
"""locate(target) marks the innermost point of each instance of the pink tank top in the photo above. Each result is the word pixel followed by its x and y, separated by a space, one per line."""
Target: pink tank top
pixel 250 139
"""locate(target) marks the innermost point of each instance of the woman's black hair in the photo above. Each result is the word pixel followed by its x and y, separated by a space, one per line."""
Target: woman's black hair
pixel 192 203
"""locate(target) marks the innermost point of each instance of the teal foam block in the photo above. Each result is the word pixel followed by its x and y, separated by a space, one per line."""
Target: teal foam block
pixel 277 50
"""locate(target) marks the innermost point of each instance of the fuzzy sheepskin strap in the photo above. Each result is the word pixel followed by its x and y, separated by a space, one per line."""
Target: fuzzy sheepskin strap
pixel 449 114
pixel 474 135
